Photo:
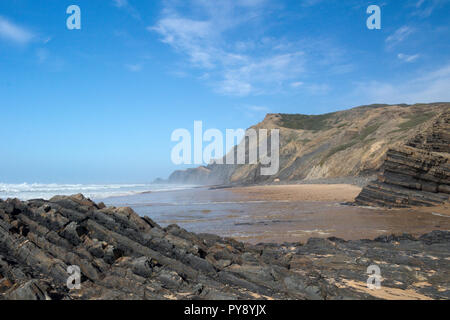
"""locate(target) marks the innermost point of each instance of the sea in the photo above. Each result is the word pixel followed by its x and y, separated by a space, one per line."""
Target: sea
pixel 27 191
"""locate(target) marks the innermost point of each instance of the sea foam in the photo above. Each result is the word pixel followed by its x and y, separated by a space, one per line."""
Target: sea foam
pixel 27 191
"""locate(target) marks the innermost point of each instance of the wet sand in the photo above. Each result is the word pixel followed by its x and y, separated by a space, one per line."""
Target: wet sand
pixel 279 213
pixel 303 192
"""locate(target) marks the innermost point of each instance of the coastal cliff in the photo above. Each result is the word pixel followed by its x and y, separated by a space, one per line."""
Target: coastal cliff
pixel 417 173
pixel 124 256
pixel 350 143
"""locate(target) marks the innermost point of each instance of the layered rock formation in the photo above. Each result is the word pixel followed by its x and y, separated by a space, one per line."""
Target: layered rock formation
pixel 340 144
pixel 124 256
pixel 416 174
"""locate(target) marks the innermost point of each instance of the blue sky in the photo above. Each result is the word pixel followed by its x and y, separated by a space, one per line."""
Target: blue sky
pixel 98 105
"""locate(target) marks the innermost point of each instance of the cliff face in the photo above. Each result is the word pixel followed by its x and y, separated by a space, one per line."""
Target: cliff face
pixel 124 256
pixel 346 143
pixel 416 174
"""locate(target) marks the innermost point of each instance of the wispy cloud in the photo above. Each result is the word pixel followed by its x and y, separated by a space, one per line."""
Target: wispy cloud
pixel 260 75
pixel 13 32
pixel 310 3
pixel 120 3
pixel 258 108
pixel 133 67
pixel 212 41
pixel 408 58
pixel 311 88
pixel 297 84
pixel 318 88
pixel 190 36
pixel 398 36
pixel 49 61
pixel 425 8
pixel 432 86
pixel 125 5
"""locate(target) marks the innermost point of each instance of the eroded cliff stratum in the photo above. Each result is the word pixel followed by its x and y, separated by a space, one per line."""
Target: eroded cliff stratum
pixel 347 143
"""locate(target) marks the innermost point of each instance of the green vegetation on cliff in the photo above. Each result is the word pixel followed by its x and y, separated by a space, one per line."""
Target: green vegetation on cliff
pixel 414 120
pixel 306 122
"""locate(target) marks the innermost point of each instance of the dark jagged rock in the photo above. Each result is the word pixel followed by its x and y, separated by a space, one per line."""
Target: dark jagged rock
pixel 416 174
pixel 124 256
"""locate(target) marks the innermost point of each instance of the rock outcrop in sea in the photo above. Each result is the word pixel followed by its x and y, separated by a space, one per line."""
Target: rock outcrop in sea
pixel 124 256
pixel 417 173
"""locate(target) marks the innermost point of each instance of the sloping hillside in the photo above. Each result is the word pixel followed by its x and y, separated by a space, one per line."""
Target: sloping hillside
pixel 353 142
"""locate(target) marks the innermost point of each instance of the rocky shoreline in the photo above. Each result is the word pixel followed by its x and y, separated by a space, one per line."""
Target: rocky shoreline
pixel 124 256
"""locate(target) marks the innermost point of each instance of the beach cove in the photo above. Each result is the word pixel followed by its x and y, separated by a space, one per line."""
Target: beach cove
pixel 281 213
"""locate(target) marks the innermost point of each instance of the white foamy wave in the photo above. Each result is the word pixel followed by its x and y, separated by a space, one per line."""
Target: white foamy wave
pixel 27 191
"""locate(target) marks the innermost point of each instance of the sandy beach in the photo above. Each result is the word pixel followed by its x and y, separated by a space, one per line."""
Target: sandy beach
pixel 301 192
pixel 281 213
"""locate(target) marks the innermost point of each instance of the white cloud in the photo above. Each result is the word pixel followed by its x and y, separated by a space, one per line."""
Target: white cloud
pixel 432 86
pixel 14 33
pixel 120 3
pixel 258 108
pixel 296 84
pixel 311 88
pixel 265 75
pixel 236 87
pixel 189 36
pixel 419 3
pixel 124 4
pixel 234 67
pixel 408 58
pixel 399 35
pixel 318 89
pixel 133 67
pixel 310 3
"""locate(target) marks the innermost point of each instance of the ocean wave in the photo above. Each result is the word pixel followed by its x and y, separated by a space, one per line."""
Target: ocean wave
pixel 27 191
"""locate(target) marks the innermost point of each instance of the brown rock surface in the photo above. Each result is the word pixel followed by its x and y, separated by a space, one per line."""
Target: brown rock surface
pixel 417 173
